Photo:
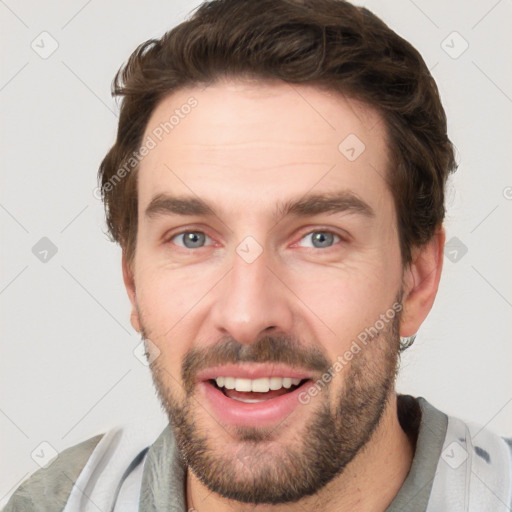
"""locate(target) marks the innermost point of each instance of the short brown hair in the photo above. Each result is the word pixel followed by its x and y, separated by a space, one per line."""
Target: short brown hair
pixel 328 43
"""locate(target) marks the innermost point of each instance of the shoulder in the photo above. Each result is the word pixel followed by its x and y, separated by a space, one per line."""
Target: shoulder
pixel 48 488
pixel 473 457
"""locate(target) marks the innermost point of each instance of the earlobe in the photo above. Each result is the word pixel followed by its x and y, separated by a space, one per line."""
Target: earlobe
pixel 134 320
pixel 420 283
pixel 129 283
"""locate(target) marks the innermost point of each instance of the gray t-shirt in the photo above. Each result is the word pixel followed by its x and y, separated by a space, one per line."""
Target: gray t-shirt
pixel 456 466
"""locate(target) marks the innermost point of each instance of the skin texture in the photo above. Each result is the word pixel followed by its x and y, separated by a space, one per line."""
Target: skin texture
pixel 244 148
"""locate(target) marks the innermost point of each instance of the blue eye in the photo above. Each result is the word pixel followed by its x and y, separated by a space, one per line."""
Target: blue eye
pixel 191 239
pixel 322 239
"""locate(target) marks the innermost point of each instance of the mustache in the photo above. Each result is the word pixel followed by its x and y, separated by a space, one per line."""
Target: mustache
pixel 282 349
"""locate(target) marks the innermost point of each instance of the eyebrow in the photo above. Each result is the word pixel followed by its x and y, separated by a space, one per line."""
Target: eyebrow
pixel 307 206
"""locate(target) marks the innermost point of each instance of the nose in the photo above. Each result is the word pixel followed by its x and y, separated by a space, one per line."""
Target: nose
pixel 252 300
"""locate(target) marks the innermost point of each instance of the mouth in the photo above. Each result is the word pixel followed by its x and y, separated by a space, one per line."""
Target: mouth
pixel 250 397
pixel 253 391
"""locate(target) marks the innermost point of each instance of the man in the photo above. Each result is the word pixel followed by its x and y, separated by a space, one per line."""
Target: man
pixel 277 188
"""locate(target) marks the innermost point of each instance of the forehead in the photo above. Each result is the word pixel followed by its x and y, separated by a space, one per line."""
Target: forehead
pixel 247 138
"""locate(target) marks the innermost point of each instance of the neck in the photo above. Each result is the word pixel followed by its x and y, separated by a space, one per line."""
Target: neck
pixel 368 484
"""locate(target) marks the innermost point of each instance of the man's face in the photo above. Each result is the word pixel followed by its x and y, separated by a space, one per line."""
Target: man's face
pixel 252 290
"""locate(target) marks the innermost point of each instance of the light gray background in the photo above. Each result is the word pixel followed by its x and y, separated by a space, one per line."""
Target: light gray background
pixel 67 368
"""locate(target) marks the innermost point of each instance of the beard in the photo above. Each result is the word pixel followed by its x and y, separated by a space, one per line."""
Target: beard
pixel 265 465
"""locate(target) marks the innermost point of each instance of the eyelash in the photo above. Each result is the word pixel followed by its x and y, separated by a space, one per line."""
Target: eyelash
pixel 317 230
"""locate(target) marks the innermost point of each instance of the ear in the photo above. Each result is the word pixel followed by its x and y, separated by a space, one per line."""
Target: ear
pixel 420 283
pixel 129 284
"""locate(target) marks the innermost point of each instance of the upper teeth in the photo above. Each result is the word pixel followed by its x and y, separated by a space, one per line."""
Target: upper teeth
pixel 259 385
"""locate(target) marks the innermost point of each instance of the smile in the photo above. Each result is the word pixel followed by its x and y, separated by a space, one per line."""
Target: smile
pixel 255 390
pixel 252 395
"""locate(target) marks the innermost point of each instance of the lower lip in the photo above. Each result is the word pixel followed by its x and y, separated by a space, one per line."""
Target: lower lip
pixel 258 414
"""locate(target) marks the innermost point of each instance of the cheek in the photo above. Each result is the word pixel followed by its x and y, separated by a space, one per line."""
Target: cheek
pixel 165 294
pixel 163 305
pixel 344 301
pixel 172 303
pixel 349 293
